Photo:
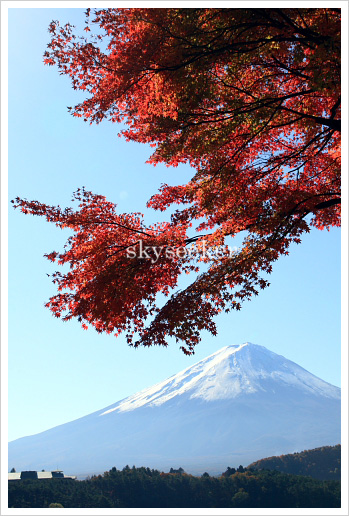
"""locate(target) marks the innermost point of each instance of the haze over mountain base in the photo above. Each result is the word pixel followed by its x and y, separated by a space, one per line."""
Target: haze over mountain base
pixel 236 406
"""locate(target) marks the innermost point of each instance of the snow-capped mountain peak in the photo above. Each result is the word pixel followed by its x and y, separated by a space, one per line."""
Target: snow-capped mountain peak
pixel 229 373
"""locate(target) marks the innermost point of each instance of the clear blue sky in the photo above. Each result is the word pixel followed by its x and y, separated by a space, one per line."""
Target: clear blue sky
pixel 57 372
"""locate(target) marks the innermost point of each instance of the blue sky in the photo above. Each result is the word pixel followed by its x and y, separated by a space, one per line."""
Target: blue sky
pixel 56 371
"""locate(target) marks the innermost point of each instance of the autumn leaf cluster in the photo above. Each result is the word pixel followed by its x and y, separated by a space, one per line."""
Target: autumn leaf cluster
pixel 250 99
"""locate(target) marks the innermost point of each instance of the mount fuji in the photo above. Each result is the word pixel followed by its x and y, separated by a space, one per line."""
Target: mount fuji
pixel 236 406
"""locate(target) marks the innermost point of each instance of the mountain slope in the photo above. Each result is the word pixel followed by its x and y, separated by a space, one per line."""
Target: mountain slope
pixel 234 407
pixel 321 463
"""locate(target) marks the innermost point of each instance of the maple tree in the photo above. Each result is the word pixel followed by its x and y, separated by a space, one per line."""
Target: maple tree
pixel 250 99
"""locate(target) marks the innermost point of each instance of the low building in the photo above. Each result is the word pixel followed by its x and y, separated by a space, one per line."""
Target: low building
pixel 14 476
pixel 39 475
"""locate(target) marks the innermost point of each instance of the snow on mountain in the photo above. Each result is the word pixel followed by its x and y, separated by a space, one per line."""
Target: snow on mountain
pixel 238 405
pixel 226 374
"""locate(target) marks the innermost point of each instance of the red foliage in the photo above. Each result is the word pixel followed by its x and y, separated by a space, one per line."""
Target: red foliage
pixel 250 98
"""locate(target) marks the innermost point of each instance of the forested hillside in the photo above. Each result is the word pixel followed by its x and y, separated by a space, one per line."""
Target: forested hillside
pixel 322 463
pixel 142 487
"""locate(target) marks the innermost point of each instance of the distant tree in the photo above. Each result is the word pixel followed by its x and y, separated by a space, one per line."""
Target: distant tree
pixel 178 471
pixel 13 470
pixel 240 499
pixel 229 471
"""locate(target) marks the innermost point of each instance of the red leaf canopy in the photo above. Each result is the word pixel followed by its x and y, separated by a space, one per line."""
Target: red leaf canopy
pixel 250 98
